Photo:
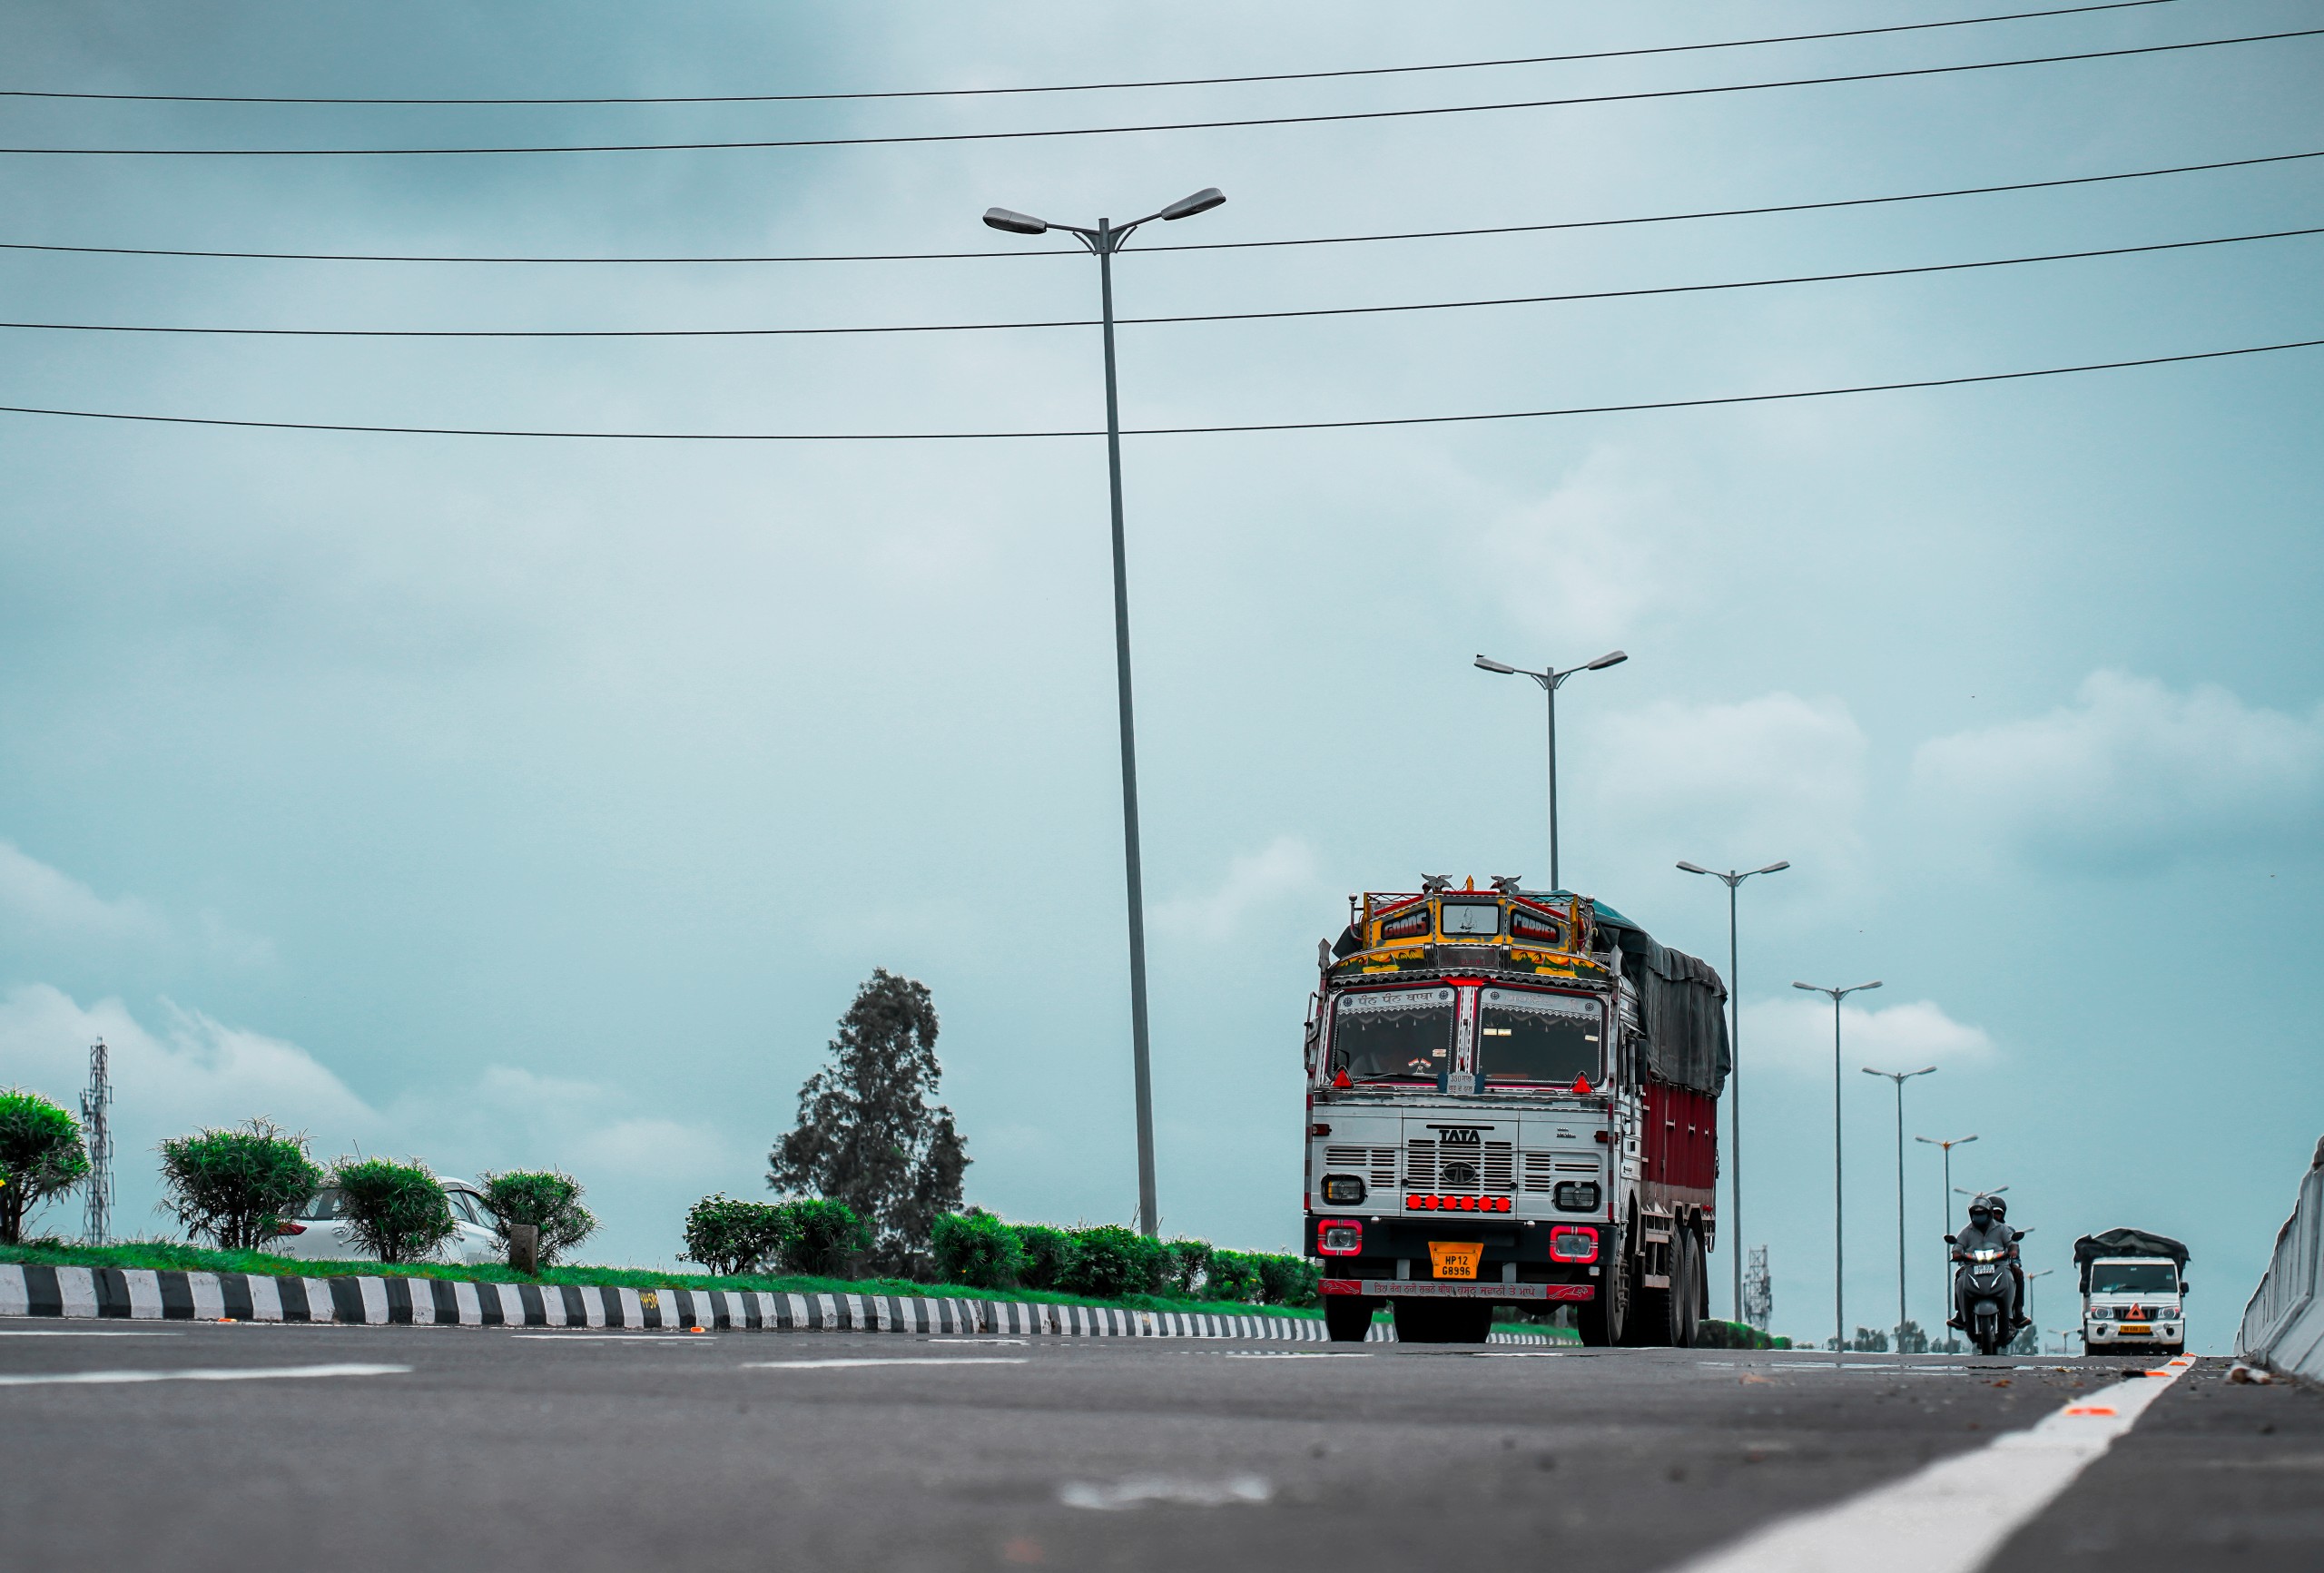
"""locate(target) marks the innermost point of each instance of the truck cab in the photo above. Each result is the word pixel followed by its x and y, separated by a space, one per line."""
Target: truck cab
pixel 2133 1293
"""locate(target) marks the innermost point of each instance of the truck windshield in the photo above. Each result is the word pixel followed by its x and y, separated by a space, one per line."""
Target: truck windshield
pixel 2134 1278
pixel 1544 1040
pixel 1404 1036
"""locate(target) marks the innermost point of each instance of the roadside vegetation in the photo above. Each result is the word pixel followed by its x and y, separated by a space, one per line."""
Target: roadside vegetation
pixel 41 1155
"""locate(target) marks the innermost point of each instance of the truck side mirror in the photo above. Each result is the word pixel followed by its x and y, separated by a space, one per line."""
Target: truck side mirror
pixel 2186 1288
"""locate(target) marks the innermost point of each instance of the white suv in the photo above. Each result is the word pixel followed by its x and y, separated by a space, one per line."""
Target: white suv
pixel 318 1233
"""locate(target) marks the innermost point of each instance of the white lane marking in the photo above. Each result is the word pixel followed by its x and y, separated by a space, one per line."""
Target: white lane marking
pixel 1517 1354
pixel 79 1332
pixel 1019 1342
pixel 248 1373
pixel 1143 1490
pixel 1294 1355
pixel 664 1338
pixel 1953 1515
pixel 952 1360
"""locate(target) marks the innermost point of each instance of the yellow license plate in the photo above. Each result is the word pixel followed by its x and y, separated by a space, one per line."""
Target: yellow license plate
pixel 2137 1327
pixel 1453 1258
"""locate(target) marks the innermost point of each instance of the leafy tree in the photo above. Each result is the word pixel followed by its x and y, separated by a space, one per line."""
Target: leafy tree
pixel 867 1133
pixel 1233 1275
pixel 550 1201
pixel 818 1236
pixel 976 1249
pixel 40 1154
pixel 730 1237
pixel 1189 1259
pixel 235 1186
pixel 1048 1255
pixel 1110 1261
pixel 1289 1279
pixel 398 1212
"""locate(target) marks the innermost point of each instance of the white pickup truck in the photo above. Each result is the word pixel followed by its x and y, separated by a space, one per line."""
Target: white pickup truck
pixel 2133 1289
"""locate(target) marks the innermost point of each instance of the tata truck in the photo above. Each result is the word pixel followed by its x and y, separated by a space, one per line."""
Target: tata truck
pixel 1512 1101
pixel 2133 1293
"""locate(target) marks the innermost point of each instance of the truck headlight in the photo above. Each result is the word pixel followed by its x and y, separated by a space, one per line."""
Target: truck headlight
pixel 1577 1197
pixel 1343 1190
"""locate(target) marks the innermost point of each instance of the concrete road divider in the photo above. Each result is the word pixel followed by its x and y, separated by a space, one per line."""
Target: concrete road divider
pixel 145 1294
pixel 2283 1325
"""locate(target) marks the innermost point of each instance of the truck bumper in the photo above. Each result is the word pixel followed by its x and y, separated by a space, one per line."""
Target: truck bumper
pixel 1438 1289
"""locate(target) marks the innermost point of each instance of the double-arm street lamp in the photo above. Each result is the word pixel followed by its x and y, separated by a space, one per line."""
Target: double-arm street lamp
pixel 1732 879
pixel 1103 241
pixel 1551 678
pixel 1946 1147
pixel 1900 1077
pixel 1839 1238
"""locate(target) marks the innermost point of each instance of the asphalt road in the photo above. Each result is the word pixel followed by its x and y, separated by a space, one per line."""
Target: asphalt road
pixel 492 1448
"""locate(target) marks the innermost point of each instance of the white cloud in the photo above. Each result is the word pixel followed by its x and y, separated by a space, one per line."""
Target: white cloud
pixel 1582 563
pixel 1285 867
pixel 36 899
pixel 1776 776
pixel 1794 1032
pixel 2130 772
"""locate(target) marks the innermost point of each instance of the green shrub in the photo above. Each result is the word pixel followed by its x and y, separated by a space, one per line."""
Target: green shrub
pixel 819 1235
pixel 235 1186
pixel 40 1154
pixel 730 1237
pixel 550 1201
pixel 1110 1261
pixel 397 1212
pixel 1287 1280
pixel 1047 1256
pixel 1233 1275
pixel 1189 1259
pixel 976 1249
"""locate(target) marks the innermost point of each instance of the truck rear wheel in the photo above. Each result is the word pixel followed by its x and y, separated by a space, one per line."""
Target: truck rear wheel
pixel 1419 1320
pixel 1688 1296
pixel 1347 1318
pixel 1604 1318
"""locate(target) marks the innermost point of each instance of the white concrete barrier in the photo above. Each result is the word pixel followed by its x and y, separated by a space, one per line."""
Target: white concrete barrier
pixel 2283 1326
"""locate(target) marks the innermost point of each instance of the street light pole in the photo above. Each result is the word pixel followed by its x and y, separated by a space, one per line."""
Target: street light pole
pixel 1947 1147
pixel 1839 1215
pixel 1102 242
pixel 1900 1077
pixel 1732 879
pixel 1551 680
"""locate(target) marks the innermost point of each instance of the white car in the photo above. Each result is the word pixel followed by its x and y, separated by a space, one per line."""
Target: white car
pixel 319 1234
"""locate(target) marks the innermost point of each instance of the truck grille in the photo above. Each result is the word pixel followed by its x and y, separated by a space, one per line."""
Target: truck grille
pixel 1376 1165
pixel 1488 1169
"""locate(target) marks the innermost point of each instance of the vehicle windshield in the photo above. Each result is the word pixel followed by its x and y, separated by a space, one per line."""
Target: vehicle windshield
pixel 1404 1036
pixel 324 1204
pixel 1537 1039
pixel 2134 1278
pixel 468 1205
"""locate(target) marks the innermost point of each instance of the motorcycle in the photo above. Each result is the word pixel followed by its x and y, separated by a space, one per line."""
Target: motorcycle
pixel 1981 1292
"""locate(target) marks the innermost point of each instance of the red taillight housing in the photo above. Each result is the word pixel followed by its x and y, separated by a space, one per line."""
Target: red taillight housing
pixel 285 1226
pixel 1569 1244
pixel 1342 1237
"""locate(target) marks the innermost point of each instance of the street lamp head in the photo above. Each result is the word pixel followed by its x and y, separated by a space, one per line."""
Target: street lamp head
pixel 1019 224
pixel 1489 665
pixel 1698 868
pixel 1202 202
pixel 1611 658
pixel 1773 868
pixel 1811 987
pixel 1860 987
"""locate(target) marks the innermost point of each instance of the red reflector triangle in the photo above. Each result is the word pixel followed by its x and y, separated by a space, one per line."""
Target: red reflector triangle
pixel 1580 1086
pixel 1341 1080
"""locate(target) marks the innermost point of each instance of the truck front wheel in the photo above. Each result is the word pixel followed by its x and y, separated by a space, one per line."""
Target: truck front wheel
pixel 1604 1318
pixel 1347 1318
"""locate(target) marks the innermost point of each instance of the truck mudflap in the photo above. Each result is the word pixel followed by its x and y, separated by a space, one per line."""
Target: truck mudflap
pixel 1433 1289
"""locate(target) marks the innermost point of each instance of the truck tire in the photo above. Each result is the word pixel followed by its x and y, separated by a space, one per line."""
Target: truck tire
pixel 1604 1317
pixel 1689 1297
pixel 1468 1322
pixel 1347 1318
pixel 1419 1320
pixel 1656 1314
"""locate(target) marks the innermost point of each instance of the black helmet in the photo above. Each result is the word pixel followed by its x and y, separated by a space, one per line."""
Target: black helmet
pixel 1980 1205
pixel 1999 1206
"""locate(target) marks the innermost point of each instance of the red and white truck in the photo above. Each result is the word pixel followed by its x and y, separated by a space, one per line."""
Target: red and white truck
pixel 1512 1100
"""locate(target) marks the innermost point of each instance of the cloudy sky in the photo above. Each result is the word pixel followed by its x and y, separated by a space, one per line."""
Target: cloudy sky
pixel 524 801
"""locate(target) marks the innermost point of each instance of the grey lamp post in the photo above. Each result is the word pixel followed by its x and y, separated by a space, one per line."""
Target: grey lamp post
pixel 1103 241
pixel 1839 1237
pixel 1735 1075
pixel 1947 1147
pixel 1551 680
pixel 1900 1077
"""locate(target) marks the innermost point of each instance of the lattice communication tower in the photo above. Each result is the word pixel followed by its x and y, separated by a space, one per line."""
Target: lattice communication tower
pixel 1758 1291
pixel 94 1101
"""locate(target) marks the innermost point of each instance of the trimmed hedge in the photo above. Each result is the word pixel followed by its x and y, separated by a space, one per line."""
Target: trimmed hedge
pixel 813 1237
pixel 398 1212
pixel 1108 1261
pixel 234 1186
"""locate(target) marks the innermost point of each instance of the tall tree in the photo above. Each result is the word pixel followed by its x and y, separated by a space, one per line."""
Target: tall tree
pixel 867 1135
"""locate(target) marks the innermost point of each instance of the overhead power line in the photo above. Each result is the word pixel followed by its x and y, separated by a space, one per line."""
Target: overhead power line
pixel 1192 246
pixel 1343 117
pixel 1097 86
pixel 1734 399
pixel 1569 296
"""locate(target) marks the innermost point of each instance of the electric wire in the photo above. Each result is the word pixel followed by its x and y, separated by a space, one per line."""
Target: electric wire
pixel 1342 117
pixel 1292 313
pixel 1096 86
pixel 1190 246
pixel 1733 398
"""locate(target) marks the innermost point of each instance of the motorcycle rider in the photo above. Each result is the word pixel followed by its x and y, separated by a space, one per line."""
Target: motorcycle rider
pixel 2016 1265
pixel 1987 1232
